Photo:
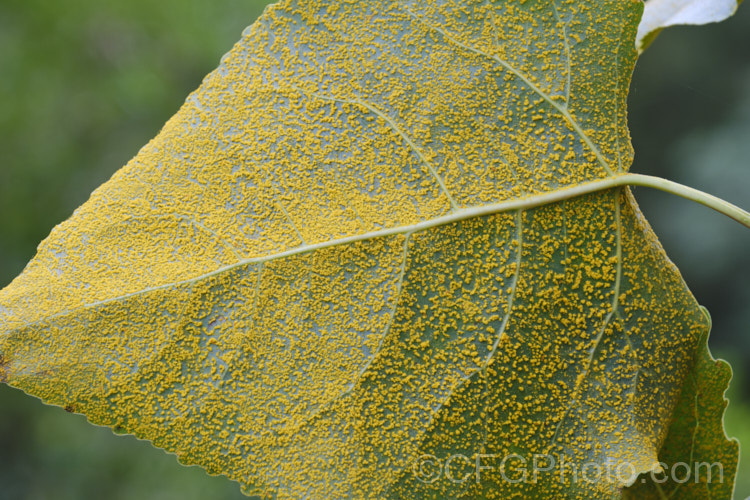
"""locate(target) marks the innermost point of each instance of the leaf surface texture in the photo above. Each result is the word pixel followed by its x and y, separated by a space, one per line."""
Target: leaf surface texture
pixel 292 284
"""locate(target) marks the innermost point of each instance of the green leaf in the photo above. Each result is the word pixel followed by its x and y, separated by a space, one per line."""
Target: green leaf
pixel 698 460
pixel 379 231
pixel 660 14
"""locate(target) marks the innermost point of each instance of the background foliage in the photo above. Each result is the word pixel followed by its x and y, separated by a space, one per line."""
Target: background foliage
pixel 83 85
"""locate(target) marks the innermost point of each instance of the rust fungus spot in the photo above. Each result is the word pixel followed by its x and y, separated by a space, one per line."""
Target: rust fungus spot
pixel 4 369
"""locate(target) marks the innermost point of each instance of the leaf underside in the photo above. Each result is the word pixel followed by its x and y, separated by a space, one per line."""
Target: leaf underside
pixel 288 284
pixel 696 438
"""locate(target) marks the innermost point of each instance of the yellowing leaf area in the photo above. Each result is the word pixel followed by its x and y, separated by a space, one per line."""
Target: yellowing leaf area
pixel 382 231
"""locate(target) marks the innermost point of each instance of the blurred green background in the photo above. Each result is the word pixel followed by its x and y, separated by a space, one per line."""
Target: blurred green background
pixel 84 84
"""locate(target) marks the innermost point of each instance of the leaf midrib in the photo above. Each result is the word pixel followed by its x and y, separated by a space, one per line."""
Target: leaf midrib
pixel 524 203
